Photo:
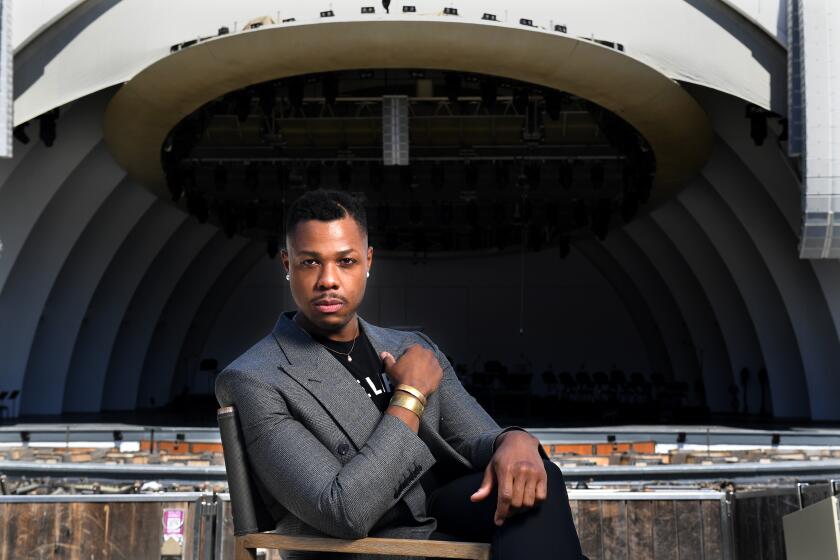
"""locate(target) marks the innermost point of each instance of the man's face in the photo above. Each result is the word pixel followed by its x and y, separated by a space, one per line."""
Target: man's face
pixel 327 263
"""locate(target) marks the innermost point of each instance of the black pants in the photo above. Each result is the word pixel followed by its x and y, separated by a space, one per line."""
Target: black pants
pixel 539 533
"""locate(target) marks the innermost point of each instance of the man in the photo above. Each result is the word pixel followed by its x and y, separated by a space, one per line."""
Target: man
pixel 355 430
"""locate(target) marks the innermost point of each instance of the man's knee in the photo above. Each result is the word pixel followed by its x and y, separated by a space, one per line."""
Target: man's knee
pixel 552 470
pixel 554 477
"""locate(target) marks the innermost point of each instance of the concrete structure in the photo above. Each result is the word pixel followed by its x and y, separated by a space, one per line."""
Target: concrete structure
pixel 110 295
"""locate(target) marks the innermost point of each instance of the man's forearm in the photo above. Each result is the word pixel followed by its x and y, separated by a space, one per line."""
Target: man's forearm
pixel 410 419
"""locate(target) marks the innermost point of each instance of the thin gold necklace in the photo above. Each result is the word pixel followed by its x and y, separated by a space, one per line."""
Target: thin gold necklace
pixel 349 359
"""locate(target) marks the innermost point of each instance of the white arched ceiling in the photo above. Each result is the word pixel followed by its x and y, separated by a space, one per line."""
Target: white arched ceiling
pixel 735 228
pixel 797 285
pixel 693 303
pixel 206 316
pixel 41 256
pixel 778 340
pixel 658 298
pixel 40 173
pixel 727 304
pixel 771 168
pixel 93 347
pixel 64 311
pixel 132 342
pixel 105 42
pixel 631 296
pixel 161 358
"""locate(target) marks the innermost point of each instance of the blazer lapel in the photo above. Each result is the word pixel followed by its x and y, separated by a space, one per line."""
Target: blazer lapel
pixel 430 421
pixel 319 373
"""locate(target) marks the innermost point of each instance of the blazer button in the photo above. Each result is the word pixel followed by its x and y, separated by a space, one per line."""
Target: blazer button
pixel 343 448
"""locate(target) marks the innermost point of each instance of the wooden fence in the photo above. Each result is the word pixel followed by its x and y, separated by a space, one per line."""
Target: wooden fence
pixel 689 524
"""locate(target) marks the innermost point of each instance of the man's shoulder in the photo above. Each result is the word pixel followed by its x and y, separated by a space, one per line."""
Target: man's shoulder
pixel 260 359
pixel 398 338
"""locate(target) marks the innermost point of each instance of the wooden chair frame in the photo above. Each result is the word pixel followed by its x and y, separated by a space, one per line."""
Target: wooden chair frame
pixel 249 539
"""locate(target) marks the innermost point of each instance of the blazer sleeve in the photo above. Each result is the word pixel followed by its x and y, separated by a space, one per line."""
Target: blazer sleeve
pixel 344 501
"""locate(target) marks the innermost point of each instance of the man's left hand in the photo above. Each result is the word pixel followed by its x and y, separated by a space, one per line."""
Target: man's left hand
pixel 519 470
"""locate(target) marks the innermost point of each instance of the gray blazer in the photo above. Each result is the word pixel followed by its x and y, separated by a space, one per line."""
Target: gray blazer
pixel 328 462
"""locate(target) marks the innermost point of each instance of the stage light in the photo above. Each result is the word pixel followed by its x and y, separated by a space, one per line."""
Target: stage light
pixel 313 175
pixel 580 213
pixel 596 175
pixel 368 10
pixel 251 216
pixel 252 177
pixel 489 92
pixel 295 93
pixel 520 100
pixel 267 98
pixel 224 31
pixel 366 74
pixel 242 102
pixel 19 132
pixel 282 175
pixel 345 175
pixel 601 218
pixel 553 105
pixel 229 224
pixel 272 247
pixel 330 90
pixel 473 213
pixel 174 183
pixel 409 9
pixel 471 176
pixel 452 85
pixel 328 13
pixel 288 20
pixel 784 134
pixel 197 206
pixel 533 175
pixel 450 11
pixel 758 124
pixel 560 28
pixel 502 177
pixel 758 129
pixel 438 176
pixel 565 175
pixel 489 17
pixel 47 127
pixel 415 212
pixel 526 22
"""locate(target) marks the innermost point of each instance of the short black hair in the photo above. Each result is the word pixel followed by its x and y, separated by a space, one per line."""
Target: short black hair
pixel 325 206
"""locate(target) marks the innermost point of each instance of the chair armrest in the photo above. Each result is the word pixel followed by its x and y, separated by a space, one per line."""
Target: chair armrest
pixel 370 545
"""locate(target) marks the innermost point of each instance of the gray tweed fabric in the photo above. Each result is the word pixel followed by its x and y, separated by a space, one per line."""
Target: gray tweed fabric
pixel 327 460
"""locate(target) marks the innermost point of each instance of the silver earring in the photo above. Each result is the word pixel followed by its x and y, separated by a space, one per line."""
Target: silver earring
pixel 287 276
pixel 368 274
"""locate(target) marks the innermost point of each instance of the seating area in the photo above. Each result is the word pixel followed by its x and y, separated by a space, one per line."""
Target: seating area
pixel 518 394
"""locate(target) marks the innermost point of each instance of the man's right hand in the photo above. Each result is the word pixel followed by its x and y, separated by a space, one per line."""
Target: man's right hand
pixel 417 367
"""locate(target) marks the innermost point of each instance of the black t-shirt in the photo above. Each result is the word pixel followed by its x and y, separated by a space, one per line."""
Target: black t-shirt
pixel 365 365
pixel 369 372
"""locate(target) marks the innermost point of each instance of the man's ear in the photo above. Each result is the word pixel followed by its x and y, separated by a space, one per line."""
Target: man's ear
pixel 284 257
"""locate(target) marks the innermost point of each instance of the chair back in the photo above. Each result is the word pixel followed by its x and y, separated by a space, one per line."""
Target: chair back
pixel 250 514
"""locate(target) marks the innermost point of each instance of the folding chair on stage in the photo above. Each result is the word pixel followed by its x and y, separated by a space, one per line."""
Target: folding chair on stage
pixel 252 523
